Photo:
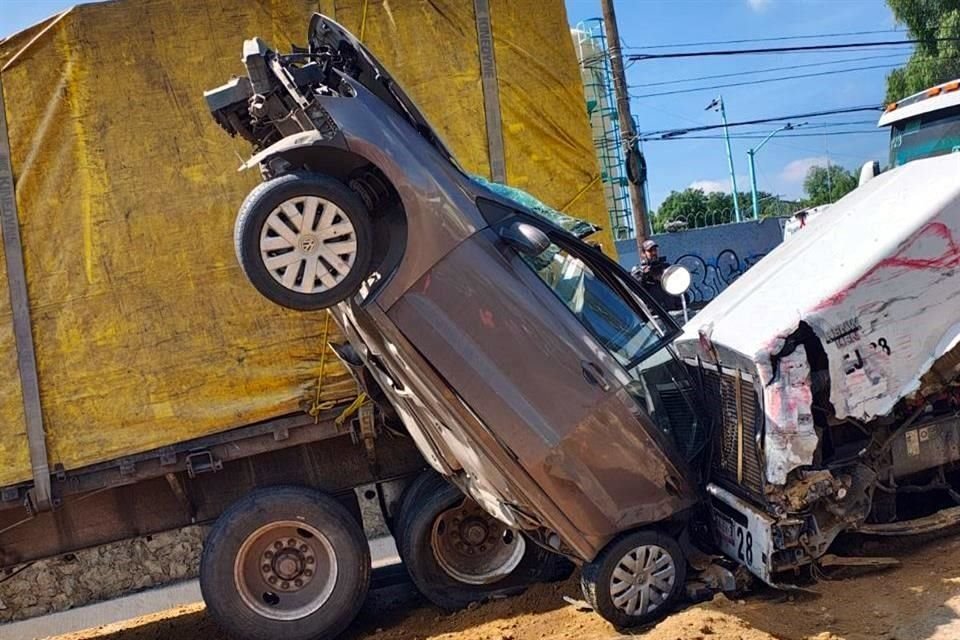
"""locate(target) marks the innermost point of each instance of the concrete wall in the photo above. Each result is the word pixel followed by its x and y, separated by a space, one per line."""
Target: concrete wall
pixel 715 256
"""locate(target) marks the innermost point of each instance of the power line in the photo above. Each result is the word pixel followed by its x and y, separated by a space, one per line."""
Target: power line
pixel 669 133
pixel 757 81
pixel 770 39
pixel 824 125
pixel 757 136
pixel 767 70
pixel 796 49
pixel 747 83
pixel 785 145
pixel 609 140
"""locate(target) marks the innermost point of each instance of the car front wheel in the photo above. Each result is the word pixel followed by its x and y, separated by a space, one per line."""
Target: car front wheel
pixel 636 579
pixel 304 241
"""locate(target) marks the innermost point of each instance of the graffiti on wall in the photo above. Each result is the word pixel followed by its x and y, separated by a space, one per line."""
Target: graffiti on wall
pixel 711 275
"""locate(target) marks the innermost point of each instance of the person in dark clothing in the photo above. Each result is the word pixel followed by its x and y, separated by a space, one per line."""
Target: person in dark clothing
pixel 651 264
pixel 649 272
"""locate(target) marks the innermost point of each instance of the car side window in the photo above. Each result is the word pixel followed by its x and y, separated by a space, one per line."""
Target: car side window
pixel 626 333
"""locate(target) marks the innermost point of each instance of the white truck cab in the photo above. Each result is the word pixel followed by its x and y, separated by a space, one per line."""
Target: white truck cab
pixel 923 125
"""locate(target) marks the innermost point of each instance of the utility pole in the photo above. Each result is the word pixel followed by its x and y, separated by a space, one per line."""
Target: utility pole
pixel 753 170
pixel 826 148
pixel 637 200
pixel 717 104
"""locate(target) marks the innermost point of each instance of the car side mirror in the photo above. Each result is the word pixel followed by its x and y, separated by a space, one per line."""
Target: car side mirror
pixel 868 172
pixel 525 238
pixel 675 280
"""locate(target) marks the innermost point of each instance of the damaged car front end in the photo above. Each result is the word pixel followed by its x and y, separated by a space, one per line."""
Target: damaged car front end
pixel 831 368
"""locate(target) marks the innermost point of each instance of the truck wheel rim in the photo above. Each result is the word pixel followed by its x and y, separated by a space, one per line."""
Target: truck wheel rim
pixel 473 547
pixel 308 244
pixel 643 580
pixel 286 570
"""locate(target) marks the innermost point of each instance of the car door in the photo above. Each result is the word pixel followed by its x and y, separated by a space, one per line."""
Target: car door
pixel 511 348
pixel 630 325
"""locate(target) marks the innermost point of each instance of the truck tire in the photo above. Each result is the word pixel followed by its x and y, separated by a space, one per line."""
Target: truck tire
pixel 457 554
pixel 304 240
pixel 286 563
pixel 426 483
pixel 637 579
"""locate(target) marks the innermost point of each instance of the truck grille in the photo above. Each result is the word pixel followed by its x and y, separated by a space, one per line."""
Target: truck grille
pixel 736 456
pixel 680 417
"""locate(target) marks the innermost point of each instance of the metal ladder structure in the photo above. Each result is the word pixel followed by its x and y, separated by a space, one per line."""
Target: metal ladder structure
pixel 591 45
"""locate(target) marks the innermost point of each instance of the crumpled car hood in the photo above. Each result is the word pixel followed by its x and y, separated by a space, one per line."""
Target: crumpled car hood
pixel 876 278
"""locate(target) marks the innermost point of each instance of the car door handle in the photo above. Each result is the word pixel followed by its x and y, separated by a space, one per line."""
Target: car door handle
pixel 594 375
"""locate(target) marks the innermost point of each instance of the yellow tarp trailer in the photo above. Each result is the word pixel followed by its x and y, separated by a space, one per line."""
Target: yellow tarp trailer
pixel 145 331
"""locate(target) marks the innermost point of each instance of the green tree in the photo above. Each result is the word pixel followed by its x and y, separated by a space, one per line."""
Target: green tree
pixel 932 62
pixel 694 209
pixel 688 206
pixel 778 208
pixel 824 185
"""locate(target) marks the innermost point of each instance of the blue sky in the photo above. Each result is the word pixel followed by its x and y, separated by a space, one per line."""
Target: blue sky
pixel 782 163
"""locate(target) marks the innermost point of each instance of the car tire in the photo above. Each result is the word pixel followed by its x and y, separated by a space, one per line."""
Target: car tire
pixel 285 562
pixel 637 579
pixel 450 579
pixel 304 241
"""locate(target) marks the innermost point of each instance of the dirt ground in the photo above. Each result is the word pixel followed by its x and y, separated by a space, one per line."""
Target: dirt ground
pixel 920 600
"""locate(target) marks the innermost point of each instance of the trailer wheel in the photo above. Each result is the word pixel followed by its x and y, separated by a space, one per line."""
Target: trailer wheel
pixel 423 485
pixel 457 554
pixel 285 562
pixel 304 241
pixel 636 579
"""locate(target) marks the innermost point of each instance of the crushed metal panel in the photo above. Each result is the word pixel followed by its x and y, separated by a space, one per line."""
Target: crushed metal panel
pixel 790 439
pixel 877 279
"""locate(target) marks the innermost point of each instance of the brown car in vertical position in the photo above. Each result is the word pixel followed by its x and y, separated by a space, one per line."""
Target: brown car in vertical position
pixel 531 370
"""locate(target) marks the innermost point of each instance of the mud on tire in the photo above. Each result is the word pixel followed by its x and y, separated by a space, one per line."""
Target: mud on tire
pixel 432 502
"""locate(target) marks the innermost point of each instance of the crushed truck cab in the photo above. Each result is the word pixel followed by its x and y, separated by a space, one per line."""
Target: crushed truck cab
pixel 831 371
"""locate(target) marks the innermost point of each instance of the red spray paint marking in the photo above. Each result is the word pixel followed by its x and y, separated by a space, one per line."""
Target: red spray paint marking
pixel 949 259
pixel 486 319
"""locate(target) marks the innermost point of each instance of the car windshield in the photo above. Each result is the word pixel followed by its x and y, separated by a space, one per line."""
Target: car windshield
pixel 931 134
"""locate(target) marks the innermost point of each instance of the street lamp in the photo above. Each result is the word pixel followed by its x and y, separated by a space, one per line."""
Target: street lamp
pixel 717 105
pixel 753 171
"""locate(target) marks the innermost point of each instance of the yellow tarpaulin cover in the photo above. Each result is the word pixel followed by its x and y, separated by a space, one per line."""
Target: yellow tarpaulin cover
pixel 146 331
